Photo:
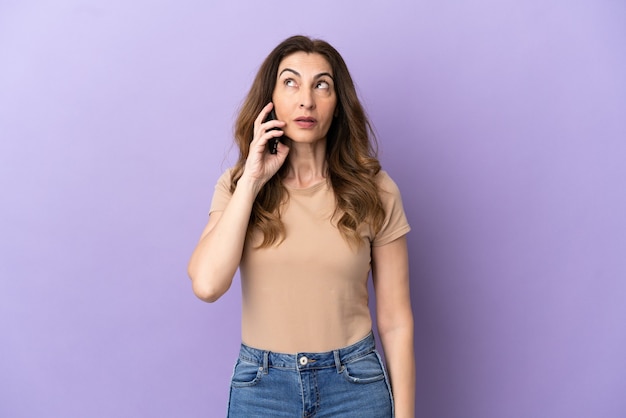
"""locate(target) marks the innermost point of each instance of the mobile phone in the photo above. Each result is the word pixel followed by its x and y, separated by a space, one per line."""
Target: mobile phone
pixel 272 144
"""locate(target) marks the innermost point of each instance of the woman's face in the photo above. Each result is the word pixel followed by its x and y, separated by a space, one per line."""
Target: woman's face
pixel 304 96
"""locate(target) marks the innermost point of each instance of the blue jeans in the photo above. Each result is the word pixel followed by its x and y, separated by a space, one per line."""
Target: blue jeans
pixel 348 382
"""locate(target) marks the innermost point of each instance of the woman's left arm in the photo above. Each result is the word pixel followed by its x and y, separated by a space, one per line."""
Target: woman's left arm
pixel 390 272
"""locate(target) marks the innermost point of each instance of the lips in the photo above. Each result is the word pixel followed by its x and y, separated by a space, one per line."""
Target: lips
pixel 305 121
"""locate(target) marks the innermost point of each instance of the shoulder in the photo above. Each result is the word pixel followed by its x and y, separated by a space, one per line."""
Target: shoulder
pixel 395 223
pixel 226 175
pixel 222 192
pixel 386 184
pixel 224 180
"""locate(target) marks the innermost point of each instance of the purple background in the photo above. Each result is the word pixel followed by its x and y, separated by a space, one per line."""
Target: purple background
pixel 503 122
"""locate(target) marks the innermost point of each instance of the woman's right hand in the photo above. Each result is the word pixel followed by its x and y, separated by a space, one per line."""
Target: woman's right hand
pixel 260 164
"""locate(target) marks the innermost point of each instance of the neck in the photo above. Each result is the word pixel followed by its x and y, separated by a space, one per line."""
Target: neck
pixel 306 164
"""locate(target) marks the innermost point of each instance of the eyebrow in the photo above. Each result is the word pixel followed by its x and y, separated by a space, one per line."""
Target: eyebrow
pixel 299 75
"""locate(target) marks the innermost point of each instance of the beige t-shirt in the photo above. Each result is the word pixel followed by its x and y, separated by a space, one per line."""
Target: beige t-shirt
pixel 309 293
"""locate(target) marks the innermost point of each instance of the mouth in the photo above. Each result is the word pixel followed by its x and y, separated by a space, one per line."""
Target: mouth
pixel 305 121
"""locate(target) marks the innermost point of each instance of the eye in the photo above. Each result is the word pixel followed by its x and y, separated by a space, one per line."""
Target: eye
pixel 324 85
pixel 290 82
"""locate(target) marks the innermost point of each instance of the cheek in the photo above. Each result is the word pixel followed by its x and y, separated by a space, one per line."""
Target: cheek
pixel 279 107
pixel 330 112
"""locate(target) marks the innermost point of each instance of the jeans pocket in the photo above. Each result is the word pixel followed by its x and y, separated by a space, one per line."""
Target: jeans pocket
pixel 246 374
pixel 366 369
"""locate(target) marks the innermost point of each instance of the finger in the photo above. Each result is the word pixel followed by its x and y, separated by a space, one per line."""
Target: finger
pixel 263 114
pixel 260 144
pixel 270 136
pixel 272 125
pixel 269 131
pixel 282 151
pixel 258 122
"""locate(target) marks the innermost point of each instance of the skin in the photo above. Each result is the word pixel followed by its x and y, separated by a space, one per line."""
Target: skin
pixel 305 89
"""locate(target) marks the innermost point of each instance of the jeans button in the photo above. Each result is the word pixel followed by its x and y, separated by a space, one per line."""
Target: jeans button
pixel 303 361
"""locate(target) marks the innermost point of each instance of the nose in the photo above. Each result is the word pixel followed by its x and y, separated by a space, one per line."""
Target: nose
pixel 307 101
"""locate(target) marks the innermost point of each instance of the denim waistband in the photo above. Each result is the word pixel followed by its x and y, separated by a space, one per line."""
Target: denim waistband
pixel 308 361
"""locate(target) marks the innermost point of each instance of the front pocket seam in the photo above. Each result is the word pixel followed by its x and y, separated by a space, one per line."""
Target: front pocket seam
pixel 257 378
pixel 353 379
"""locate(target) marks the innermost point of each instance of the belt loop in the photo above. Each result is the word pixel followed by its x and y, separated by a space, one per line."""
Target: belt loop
pixel 337 361
pixel 266 355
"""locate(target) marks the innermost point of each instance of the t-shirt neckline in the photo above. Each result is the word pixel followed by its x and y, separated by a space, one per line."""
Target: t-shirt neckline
pixel 313 188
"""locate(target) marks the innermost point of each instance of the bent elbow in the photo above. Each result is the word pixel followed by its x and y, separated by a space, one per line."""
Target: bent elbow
pixel 208 284
pixel 204 288
pixel 207 297
pixel 205 292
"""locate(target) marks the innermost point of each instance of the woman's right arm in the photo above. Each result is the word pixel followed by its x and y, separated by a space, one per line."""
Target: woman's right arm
pixel 216 257
pixel 218 253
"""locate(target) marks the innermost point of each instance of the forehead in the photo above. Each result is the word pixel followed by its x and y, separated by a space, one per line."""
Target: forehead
pixel 304 62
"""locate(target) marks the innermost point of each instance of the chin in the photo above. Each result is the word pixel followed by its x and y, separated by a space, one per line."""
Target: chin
pixel 304 139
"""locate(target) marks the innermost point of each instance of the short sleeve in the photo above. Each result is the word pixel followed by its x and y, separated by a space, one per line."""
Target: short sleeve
pixel 222 194
pixel 395 224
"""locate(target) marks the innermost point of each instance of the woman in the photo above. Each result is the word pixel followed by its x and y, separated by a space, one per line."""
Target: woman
pixel 304 226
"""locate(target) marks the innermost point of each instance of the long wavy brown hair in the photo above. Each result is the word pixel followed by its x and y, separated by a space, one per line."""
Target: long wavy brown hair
pixel 350 149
